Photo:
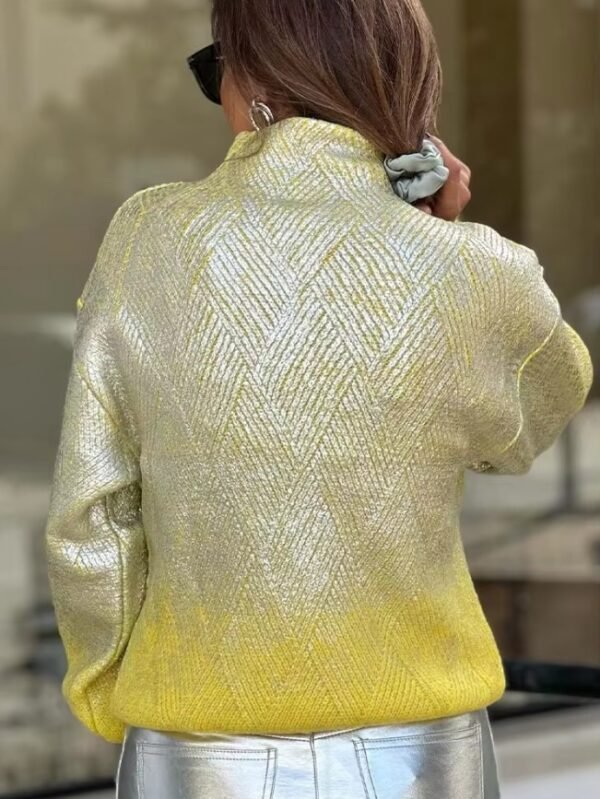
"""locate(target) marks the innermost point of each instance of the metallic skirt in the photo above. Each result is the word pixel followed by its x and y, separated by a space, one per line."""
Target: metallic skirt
pixel 450 758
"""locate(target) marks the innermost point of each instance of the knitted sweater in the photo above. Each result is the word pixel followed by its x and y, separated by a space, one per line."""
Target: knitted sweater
pixel 281 373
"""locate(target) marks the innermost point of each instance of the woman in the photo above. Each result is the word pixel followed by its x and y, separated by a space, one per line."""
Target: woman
pixel 281 374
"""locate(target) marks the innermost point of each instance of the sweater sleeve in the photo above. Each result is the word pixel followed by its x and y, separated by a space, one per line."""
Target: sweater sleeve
pixel 95 544
pixel 531 371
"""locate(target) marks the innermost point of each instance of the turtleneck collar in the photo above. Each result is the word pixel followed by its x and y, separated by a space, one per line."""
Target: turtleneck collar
pixel 299 146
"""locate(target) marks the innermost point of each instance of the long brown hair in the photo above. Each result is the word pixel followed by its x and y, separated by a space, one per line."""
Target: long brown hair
pixel 372 65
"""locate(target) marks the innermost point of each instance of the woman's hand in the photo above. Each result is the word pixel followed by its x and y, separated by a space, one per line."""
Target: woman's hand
pixel 450 201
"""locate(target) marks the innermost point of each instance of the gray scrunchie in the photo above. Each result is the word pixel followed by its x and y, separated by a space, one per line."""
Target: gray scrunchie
pixel 416 176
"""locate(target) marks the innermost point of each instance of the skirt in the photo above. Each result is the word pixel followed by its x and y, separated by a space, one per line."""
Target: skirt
pixel 449 758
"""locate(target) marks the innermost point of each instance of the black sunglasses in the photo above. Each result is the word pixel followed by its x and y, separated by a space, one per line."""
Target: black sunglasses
pixel 207 66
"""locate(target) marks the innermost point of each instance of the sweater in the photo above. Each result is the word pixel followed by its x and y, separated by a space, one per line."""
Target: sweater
pixel 281 373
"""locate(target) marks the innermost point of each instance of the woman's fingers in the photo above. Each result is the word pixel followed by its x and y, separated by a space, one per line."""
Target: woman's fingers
pixel 451 200
pixel 425 207
pixel 454 164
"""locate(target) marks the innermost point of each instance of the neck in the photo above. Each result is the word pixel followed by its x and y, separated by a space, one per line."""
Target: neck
pixel 302 155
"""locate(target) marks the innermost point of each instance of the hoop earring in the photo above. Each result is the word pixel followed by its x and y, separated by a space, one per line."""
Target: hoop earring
pixel 264 112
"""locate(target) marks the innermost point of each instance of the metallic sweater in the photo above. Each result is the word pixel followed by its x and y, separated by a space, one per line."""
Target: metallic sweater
pixel 281 373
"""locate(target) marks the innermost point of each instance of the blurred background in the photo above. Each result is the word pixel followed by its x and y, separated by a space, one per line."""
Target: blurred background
pixel 96 102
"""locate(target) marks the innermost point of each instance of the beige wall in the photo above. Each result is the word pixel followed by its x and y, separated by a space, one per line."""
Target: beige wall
pixel 15 61
pixel 46 53
pixel 37 63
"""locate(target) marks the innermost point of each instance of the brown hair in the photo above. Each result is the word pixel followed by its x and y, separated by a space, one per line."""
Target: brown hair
pixel 372 65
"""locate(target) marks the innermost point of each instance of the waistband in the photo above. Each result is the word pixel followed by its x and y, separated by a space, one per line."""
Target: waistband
pixel 458 723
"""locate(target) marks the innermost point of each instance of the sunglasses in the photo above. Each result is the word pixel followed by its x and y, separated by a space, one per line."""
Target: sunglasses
pixel 207 67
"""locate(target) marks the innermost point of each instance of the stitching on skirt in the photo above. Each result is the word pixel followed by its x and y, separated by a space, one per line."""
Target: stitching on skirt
pixel 264 790
pixel 368 767
pixel 424 738
pixel 314 764
pixel 118 772
pixel 275 752
pixel 139 757
pixel 481 764
pixel 201 749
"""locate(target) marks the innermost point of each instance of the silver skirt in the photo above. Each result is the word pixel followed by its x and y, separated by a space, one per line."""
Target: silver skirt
pixel 450 758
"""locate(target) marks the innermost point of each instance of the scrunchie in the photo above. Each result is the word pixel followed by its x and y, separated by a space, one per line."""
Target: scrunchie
pixel 416 176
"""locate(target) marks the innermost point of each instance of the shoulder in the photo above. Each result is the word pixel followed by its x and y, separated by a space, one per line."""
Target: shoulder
pixel 126 222
pixel 508 271
pixel 163 213
pixel 469 257
pixel 495 257
pixel 131 221
pixel 514 301
pixel 451 245
pixel 143 203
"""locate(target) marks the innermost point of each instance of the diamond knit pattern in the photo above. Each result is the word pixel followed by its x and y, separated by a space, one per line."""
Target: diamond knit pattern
pixel 281 373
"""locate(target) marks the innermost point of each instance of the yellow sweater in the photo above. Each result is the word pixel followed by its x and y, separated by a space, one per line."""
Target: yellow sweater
pixel 280 375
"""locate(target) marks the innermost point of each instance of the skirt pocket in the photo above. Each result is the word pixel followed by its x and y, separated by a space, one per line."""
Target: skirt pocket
pixel 444 764
pixel 204 771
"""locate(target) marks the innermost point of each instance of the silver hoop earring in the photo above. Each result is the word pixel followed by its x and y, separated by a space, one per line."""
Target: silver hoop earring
pixel 262 110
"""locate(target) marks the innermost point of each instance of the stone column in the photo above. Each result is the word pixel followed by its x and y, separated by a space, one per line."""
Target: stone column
pixel 447 17
pixel 561 139
pixel 493 109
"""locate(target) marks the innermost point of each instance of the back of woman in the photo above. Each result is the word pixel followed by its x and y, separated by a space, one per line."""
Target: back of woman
pixel 281 374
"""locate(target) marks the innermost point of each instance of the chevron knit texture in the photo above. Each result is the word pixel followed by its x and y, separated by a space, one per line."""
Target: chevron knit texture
pixel 280 375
